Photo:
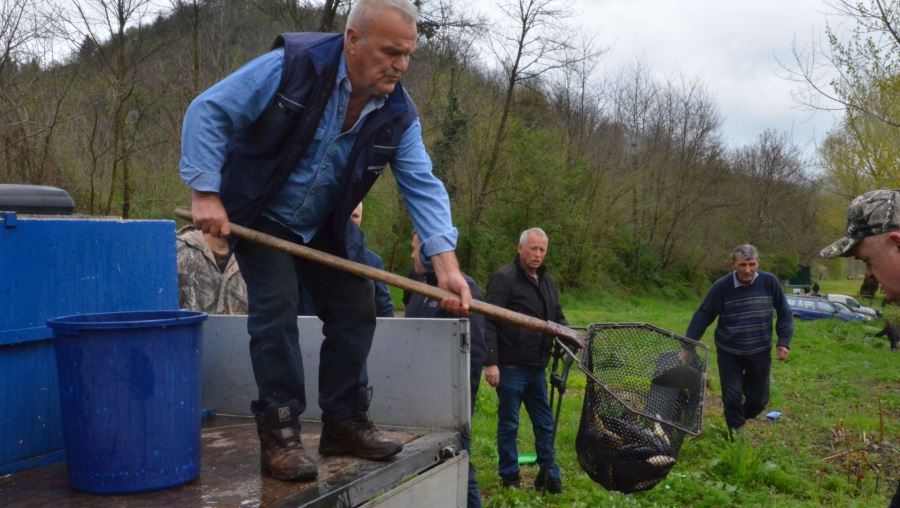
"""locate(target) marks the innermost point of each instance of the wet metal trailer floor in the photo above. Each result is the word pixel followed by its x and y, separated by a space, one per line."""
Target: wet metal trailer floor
pixel 419 371
pixel 229 475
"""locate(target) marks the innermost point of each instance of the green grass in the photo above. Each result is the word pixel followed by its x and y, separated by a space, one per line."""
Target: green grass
pixel 841 287
pixel 829 392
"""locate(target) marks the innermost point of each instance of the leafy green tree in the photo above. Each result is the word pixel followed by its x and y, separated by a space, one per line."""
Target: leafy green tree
pixel 858 73
pixel 116 30
pixel 533 45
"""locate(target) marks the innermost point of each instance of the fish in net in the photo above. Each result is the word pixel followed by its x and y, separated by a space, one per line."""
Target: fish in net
pixel 644 394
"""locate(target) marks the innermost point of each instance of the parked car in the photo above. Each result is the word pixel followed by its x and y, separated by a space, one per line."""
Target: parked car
pixel 854 305
pixel 845 308
pixel 814 307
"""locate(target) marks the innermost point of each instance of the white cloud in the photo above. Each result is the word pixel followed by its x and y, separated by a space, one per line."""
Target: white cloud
pixel 732 47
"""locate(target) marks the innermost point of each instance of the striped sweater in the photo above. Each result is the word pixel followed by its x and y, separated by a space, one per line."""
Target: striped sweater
pixel 745 315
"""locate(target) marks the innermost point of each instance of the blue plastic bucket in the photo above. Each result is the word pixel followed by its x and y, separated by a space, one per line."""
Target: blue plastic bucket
pixel 129 389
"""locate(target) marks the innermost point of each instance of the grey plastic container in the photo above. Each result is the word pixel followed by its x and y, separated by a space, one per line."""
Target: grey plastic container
pixel 36 199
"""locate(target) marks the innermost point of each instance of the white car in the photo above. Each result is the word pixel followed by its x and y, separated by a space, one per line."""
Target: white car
pixel 854 305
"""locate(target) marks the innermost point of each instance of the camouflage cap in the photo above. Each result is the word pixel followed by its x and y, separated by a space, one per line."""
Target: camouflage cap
pixel 873 213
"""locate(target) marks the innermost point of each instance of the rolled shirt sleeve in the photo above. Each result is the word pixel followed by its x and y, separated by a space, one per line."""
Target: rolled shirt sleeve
pixel 228 106
pixel 424 195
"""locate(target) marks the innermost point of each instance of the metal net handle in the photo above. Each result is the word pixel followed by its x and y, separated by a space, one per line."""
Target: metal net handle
pixel 628 406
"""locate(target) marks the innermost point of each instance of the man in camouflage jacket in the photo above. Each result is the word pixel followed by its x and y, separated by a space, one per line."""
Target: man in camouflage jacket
pixel 209 279
pixel 873 237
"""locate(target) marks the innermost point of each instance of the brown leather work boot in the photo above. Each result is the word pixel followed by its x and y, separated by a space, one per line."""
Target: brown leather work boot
pixel 281 454
pixel 358 436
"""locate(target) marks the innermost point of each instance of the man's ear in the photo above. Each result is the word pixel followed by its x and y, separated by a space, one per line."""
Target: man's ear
pixel 351 37
pixel 893 239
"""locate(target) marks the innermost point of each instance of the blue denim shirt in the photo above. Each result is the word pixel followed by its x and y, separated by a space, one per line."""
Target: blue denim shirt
pixel 313 190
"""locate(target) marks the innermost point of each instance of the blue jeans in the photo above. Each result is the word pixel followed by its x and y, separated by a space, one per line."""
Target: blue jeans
pixel 526 385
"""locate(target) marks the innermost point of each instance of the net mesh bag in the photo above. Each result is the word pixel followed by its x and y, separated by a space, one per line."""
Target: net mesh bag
pixel 644 393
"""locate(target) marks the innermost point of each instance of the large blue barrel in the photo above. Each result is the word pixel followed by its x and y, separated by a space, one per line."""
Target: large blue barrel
pixel 129 389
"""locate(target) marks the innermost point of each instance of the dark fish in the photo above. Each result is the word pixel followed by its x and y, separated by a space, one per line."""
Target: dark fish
pixel 680 377
pixel 621 455
pixel 633 433
pixel 661 460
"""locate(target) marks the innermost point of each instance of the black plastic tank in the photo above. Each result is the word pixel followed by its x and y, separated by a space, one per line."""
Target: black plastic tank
pixel 36 199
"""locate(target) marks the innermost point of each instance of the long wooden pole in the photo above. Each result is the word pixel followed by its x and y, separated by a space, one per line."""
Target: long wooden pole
pixel 569 336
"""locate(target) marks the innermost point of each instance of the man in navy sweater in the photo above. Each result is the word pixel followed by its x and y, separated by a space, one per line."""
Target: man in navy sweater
pixel 743 301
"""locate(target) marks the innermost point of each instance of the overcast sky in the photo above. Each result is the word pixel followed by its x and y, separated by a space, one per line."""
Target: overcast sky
pixel 732 47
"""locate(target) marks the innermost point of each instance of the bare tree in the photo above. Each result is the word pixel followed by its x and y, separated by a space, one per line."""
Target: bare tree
pixel 535 44
pixel 299 14
pixel 774 165
pixel 450 38
pixel 189 11
pixel 671 165
pixel 17 30
pixel 578 98
pixel 30 102
pixel 858 74
pixel 329 13
pixel 287 10
pixel 577 103
pixel 116 34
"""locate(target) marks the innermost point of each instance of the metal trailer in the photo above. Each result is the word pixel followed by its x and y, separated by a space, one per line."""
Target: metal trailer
pixel 419 370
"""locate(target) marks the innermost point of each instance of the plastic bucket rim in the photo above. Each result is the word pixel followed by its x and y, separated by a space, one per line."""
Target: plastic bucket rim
pixel 164 318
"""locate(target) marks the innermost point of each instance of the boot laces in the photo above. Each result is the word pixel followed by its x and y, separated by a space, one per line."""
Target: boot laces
pixel 293 443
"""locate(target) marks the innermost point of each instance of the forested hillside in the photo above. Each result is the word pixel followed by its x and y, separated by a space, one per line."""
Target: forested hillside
pixel 628 174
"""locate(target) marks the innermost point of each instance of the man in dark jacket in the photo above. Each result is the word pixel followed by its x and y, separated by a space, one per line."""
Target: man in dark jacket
pixel 384 307
pixel 517 358
pixel 419 306
pixel 358 251
pixel 289 144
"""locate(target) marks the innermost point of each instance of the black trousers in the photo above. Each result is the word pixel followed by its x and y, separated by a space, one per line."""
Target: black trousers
pixel 745 385
pixel 344 303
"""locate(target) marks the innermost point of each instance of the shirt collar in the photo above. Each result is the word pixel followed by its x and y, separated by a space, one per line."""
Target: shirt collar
pixel 738 284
